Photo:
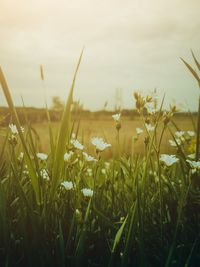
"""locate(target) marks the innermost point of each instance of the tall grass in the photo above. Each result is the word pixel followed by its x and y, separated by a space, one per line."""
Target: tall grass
pixel 69 209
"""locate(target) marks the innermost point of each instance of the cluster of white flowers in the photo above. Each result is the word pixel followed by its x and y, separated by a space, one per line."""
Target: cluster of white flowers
pixel 181 137
pixel 42 156
pixel 168 160
pixel 99 144
pixel 87 192
pixel 13 129
pixel 68 185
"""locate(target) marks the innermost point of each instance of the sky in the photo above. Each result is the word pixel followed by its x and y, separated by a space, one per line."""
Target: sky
pixel 129 45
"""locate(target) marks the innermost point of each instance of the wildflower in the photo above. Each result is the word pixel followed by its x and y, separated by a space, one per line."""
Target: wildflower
pixel 139 131
pixel 42 156
pixel 179 134
pixel 168 160
pixel 99 144
pixel 116 117
pixel 44 174
pixel 68 185
pixel 191 156
pixel 68 155
pixel 77 144
pixel 87 192
pixel 173 143
pixel 194 164
pixel 88 157
pixel 13 128
pixel 150 107
pixel 191 133
pixel 149 127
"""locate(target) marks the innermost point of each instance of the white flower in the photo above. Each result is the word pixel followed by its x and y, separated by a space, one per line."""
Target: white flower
pixel 99 143
pixel 139 131
pixel 150 128
pixel 68 155
pixel 191 133
pixel 179 134
pixel 191 156
pixel 173 143
pixel 88 157
pixel 168 160
pixel 44 174
pixel 194 164
pixel 116 117
pixel 150 107
pixel 42 156
pixel 87 192
pixel 68 185
pixel 77 144
pixel 13 128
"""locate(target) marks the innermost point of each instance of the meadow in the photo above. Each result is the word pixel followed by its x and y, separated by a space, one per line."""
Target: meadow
pixel 104 126
pixel 111 192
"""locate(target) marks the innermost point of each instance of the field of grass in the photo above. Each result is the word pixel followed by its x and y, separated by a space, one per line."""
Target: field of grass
pixel 105 127
pixel 127 198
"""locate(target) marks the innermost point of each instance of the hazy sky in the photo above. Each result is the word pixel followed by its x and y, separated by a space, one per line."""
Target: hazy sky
pixel 129 44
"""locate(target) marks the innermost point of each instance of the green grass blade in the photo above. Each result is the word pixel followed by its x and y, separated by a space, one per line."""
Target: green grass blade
pixel 63 136
pixel 32 172
pixel 116 241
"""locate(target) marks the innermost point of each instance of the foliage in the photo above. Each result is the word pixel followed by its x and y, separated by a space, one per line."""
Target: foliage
pixel 72 209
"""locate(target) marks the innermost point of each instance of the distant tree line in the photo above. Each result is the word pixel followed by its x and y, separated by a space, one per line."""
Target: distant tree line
pixel 39 115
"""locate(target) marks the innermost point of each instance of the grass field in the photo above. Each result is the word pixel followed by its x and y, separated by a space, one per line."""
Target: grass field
pixel 115 194
pixel 105 127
